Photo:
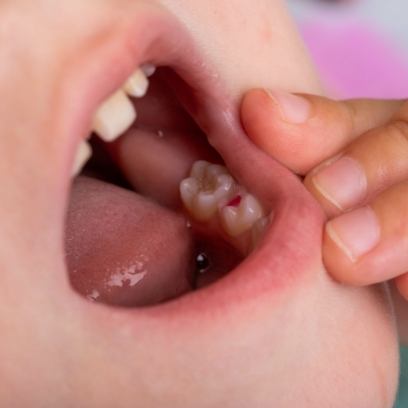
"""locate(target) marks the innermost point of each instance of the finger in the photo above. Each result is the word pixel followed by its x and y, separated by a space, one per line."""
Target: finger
pixel 370 244
pixel 401 282
pixel 303 130
pixel 370 164
pixel 400 309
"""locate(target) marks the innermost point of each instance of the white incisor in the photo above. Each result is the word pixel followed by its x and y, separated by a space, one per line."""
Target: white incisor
pixel 137 84
pixel 82 155
pixel 114 117
pixel 117 113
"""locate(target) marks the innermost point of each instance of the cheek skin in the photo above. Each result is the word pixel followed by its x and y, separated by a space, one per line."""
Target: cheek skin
pixel 274 43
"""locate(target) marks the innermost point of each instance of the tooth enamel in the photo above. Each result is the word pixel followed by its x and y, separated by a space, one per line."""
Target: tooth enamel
pixel 205 205
pixel 148 69
pixel 83 154
pixel 210 189
pixel 188 190
pixel 208 185
pixel 237 220
pixel 199 168
pixel 258 230
pixel 137 84
pixel 214 170
pixel 114 116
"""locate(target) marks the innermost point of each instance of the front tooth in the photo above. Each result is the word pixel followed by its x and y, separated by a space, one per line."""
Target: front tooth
pixel 83 154
pixel 114 116
pixel 148 69
pixel 137 84
pixel 237 220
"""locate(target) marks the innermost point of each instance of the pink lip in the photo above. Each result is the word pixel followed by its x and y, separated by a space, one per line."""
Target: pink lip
pixel 292 242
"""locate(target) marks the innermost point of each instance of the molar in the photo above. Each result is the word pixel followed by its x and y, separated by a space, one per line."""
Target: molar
pixel 208 185
pixel 211 191
pixel 238 219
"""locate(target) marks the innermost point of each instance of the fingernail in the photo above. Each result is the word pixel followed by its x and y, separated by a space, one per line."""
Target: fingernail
pixel 356 232
pixel 342 182
pixel 294 109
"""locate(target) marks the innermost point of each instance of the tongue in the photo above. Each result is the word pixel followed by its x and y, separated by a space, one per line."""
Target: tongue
pixel 124 249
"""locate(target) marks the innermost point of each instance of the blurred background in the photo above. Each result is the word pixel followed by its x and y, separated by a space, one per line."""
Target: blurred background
pixel 360 48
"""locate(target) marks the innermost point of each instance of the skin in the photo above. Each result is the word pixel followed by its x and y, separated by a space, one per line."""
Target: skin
pixel 57 349
pixel 373 134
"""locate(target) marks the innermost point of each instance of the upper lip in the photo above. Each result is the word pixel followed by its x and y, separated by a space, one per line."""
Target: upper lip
pixel 292 242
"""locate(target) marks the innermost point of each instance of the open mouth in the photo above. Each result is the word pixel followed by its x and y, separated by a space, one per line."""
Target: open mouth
pixel 175 203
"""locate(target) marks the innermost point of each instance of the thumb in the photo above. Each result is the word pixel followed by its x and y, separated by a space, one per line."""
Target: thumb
pixel 302 130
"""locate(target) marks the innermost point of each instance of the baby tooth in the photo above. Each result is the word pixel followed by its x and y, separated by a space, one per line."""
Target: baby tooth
pixel 225 181
pixel 205 206
pixel 237 220
pixel 210 189
pixel 188 190
pixel 250 209
pixel 214 170
pixel 199 168
pixel 137 84
pixel 83 154
pixel 114 116
pixel 148 69
pixel 258 230
pixel 229 217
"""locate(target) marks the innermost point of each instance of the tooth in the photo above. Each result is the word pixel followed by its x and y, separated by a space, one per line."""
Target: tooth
pixel 214 170
pixel 258 230
pixel 188 190
pixel 250 209
pixel 205 205
pixel 225 189
pixel 137 84
pixel 229 217
pixel 83 154
pixel 237 220
pixel 224 182
pixel 114 116
pixel 208 186
pixel 148 69
pixel 199 168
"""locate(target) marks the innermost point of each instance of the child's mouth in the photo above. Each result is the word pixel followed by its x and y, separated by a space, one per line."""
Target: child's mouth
pixel 157 219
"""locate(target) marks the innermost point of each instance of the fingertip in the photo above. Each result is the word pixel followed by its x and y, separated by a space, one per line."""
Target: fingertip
pixel 264 124
pixel 337 263
pixel 258 114
pixel 348 242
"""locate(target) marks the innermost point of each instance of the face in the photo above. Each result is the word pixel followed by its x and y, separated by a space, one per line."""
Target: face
pixel 267 332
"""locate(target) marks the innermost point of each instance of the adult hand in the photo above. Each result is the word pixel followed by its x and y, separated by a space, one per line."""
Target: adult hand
pixel 354 156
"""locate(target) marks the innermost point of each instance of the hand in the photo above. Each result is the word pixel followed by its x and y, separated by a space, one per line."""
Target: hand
pixel 354 156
